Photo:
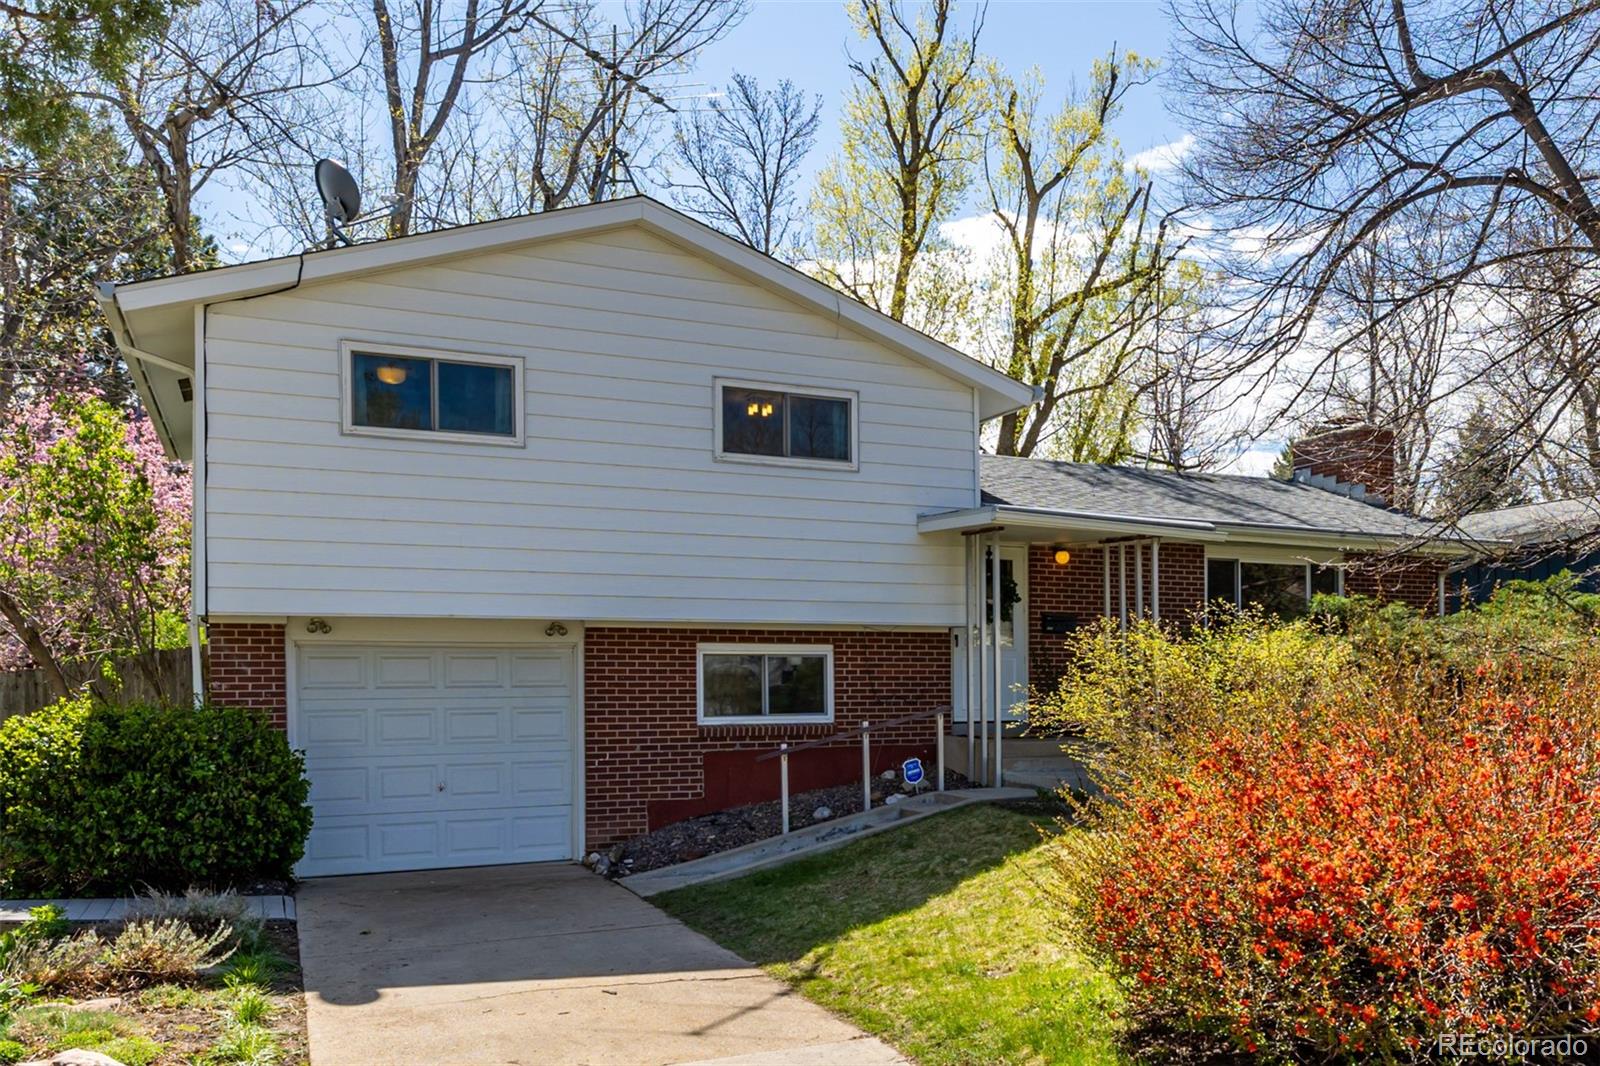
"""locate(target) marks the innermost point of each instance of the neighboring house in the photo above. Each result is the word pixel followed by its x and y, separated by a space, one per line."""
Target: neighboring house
pixel 533 534
pixel 1530 543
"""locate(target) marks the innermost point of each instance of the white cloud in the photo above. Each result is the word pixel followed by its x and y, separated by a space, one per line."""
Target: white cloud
pixel 1162 156
pixel 1256 460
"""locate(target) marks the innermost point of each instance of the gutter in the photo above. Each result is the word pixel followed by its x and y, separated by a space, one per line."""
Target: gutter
pixel 106 296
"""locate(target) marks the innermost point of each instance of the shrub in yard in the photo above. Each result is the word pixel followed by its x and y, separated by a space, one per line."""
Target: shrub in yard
pixel 164 951
pixel 1137 697
pixel 201 911
pixel 97 798
pixel 1385 865
pixel 11 1052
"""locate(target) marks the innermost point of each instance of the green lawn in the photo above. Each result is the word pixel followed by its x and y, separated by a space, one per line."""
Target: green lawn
pixel 938 938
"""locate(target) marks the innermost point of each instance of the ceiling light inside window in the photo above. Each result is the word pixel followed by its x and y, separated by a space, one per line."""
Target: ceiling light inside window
pixel 392 375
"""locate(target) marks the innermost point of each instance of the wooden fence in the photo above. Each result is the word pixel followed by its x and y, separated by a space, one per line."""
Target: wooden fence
pixel 24 691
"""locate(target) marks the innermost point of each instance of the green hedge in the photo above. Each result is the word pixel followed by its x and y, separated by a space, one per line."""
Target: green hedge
pixel 97 798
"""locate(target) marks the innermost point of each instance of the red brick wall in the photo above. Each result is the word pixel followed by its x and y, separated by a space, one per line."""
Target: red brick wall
pixel 245 667
pixel 1079 589
pixel 648 763
pixel 1414 582
pixel 1356 455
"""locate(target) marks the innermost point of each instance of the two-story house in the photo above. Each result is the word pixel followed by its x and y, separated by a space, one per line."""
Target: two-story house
pixel 534 533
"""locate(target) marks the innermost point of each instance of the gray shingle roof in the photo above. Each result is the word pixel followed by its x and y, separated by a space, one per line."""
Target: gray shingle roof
pixel 1225 499
pixel 1533 523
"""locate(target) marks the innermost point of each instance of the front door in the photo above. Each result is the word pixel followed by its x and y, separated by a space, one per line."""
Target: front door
pixel 1013 639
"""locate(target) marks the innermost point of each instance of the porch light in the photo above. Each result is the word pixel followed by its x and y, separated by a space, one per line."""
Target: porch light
pixel 1063 557
pixel 392 375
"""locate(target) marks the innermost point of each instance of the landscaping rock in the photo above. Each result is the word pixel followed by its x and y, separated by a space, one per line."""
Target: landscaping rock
pixel 708 834
pixel 888 775
pixel 76 1057
pixel 99 1003
pixel 891 799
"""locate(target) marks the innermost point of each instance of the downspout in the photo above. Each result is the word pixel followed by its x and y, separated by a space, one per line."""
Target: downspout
pixel 198 558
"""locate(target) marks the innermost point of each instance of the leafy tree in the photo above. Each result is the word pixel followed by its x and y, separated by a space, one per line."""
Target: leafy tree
pixel 94 535
pixel 1481 474
pixel 912 131
pixel 48 42
pixel 1076 288
pixel 69 214
pixel 1283 465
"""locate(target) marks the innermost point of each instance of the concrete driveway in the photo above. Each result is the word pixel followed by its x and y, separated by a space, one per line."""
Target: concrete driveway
pixel 540 965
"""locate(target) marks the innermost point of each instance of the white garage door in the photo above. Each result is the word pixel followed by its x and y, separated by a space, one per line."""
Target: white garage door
pixel 431 757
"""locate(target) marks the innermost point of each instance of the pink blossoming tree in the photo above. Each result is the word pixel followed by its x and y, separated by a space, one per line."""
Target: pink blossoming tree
pixel 94 540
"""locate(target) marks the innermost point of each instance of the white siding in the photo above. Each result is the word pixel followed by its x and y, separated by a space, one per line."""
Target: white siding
pixel 615 509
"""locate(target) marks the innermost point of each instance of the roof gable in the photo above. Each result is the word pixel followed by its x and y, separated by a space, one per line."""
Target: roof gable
pixel 154 320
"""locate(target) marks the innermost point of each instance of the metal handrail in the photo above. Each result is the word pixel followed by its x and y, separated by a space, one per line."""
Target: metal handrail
pixel 864 731
pixel 846 734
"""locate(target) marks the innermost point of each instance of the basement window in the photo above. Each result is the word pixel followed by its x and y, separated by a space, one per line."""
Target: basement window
pixel 392 391
pixel 765 683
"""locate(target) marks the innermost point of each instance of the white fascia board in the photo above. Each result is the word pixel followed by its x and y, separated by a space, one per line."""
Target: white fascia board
pixel 999 393
pixel 1352 541
pixel 253 279
pixel 1065 521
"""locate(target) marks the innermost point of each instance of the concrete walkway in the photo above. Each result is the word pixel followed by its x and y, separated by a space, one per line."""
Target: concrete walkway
pixel 540 965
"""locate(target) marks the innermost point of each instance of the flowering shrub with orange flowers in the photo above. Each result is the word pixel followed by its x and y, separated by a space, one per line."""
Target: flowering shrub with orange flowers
pixel 1412 854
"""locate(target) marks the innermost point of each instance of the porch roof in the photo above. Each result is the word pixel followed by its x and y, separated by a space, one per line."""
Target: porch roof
pixel 1085 499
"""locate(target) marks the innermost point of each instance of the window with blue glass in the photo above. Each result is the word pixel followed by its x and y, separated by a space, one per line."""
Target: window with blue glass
pixel 392 391
pixel 771 423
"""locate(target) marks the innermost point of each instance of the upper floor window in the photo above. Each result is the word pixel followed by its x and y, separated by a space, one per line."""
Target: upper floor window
pixel 759 423
pixel 404 391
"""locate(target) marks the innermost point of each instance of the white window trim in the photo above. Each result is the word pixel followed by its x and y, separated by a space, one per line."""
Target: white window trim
pixel 347 352
pixel 719 384
pixel 824 650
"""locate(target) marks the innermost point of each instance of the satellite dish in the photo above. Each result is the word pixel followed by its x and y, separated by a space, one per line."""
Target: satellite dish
pixel 341 197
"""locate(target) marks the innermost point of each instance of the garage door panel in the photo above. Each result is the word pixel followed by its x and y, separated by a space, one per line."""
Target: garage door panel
pixel 441 757
pixel 538 670
pixel 467 725
pixel 474 671
pixel 340 784
pixel 325 670
pixel 469 780
pixel 405 671
pixel 329 728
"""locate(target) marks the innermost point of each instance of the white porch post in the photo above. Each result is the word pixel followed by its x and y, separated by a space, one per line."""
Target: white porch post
pixel 1105 575
pixel 1155 579
pixel 1138 581
pixel 999 723
pixel 982 722
pixel 1122 587
pixel 974 606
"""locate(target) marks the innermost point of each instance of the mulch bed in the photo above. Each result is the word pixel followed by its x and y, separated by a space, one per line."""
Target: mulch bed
pixel 708 834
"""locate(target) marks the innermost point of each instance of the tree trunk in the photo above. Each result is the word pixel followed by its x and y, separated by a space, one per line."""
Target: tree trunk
pixel 34 642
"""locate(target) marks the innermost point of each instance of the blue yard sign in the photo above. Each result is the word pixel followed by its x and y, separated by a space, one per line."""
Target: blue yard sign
pixel 911 770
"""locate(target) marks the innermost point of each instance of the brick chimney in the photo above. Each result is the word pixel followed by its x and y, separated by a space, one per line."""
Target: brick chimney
pixel 1351 453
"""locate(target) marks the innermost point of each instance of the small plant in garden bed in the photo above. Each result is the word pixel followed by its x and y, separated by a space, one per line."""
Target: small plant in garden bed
pixel 162 992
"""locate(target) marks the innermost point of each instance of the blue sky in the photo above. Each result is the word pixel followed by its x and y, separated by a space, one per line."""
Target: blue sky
pixel 806 42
